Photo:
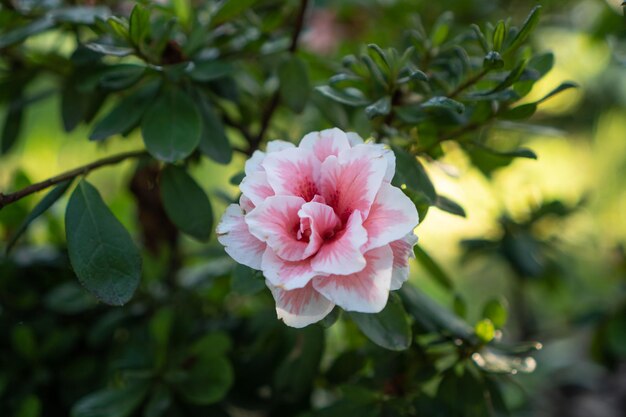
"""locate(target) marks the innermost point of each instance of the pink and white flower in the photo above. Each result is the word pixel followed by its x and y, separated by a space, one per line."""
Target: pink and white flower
pixel 324 224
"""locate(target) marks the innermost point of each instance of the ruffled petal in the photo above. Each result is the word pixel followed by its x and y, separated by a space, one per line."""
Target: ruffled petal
pixel 325 143
pixel 253 164
pixel 402 251
pixel 300 307
pixel 351 181
pixel 275 221
pixel 239 243
pixel 278 145
pixel 354 138
pixel 391 217
pixel 342 254
pixel 285 274
pixel 256 187
pixel 366 291
pixel 293 172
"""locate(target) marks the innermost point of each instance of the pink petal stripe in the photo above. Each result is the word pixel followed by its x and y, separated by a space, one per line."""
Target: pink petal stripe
pixel 342 254
pixel 350 182
pixel 325 143
pixel 391 217
pixel 284 274
pixel 365 291
pixel 256 187
pixel 402 251
pixel 233 233
pixel 321 218
pixel 276 222
pixel 300 307
pixel 293 172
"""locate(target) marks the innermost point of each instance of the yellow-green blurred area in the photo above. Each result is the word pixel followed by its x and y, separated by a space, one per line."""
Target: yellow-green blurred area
pixel 578 136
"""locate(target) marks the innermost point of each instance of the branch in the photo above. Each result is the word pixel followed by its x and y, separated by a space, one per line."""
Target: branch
pixel 6 199
pixel 274 101
pixel 468 83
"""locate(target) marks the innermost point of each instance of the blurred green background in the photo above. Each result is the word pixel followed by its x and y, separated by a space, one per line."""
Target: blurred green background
pixel 576 302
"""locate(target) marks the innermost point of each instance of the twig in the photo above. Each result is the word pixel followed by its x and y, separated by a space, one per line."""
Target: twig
pixel 273 103
pixel 469 82
pixel 6 199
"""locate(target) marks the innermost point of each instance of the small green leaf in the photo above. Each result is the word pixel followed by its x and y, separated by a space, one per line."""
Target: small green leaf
pixel 449 206
pixel 527 27
pixel 171 126
pixel 186 204
pixel 119 27
pixel 213 141
pixel 390 328
pixel 381 107
pixel 411 174
pixel 521 112
pixel 510 79
pixel 11 130
pixel 460 306
pixel 139 24
pixel 111 402
pixel 210 70
pixel 485 330
pixel 126 114
pixel 208 381
pixel 246 281
pixel 542 63
pixel 69 298
pixel 349 97
pixel 39 209
pixel 433 268
pixel 294 83
pixel 441 28
pixel 118 51
pixel 100 249
pixel 480 37
pixel 83 15
pixel 230 9
pixel 122 76
pixel 495 311
pixel 498 35
pixel 564 86
pixel 441 102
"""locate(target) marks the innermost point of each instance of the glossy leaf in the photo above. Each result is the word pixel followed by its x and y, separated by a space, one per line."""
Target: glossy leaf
pixel 444 103
pixel 352 98
pixel 210 70
pixel 100 249
pixel 230 9
pixel 11 129
pixel 433 268
pixel 85 15
pixel 139 24
pixel 186 203
pixel 498 35
pixel 208 381
pixel 118 51
pixel 412 175
pixel 381 107
pixel 294 83
pixel 171 126
pixel 390 328
pixel 246 281
pixel 449 206
pixel 69 298
pixel 111 402
pixel 213 140
pixel 527 27
pixel 41 207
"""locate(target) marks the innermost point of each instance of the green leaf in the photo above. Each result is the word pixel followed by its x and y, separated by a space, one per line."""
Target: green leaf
pixel 83 15
pixel 516 153
pixel 498 35
pixel 118 51
pixel 246 281
pixel 122 76
pixel 432 315
pixel 445 103
pixel 433 268
pixel 411 174
pixel 542 63
pixel 111 402
pixel 11 130
pixel 527 27
pixel 510 79
pixel 171 127
pixel 230 9
pixel 213 141
pixel 382 107
pixel 295 86
pixel 126 114
pixel 390 328
pixel 449 206
pixel 441 28
pixel 186 203
pixel 39 209
pixel 495 311
pixel 139 24
pixel 480 37
pixel 349 97
pixel 208 381
pixel 460 306
pixel 159 401
pixel 564 86
pixel 30 406
pixel 69 298
pixel 22 32
pixel 100 249
pixel 77 107
pixel 210 70
pixel 521 112
pixel 485 330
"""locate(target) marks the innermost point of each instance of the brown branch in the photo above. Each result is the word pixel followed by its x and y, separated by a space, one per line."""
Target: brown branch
pixel 275 100
pixel 6 199
pixel 469 82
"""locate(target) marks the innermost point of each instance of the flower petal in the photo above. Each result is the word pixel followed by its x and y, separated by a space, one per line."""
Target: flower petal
pixel 350 181
pixel 391 217
pixel 278 145
pixel 233 233
pixel 365 291
pixel 285 274
pixel 325 143
pixel 293 172
pixel 321 218
pixel 402 251
pixel 276 222
pixel 354 138
pixel 256 187
pixel 253 164
pixel 300 307
pixel 342 254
